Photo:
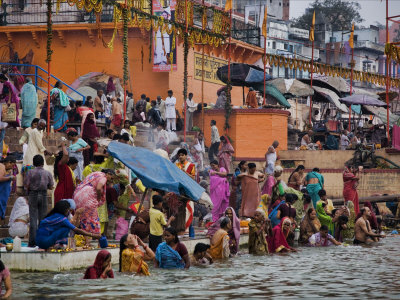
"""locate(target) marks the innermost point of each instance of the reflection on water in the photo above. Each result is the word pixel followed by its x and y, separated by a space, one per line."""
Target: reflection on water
pixel 342 272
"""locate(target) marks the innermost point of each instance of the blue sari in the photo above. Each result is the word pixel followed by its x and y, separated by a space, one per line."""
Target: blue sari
pixel 168 258
pixel 52 230
pixel 60 115
pixel 5 190
pixel 314 188
pixel 29 101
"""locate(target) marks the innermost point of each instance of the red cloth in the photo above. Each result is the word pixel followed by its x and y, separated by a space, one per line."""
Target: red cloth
pixel 90 130
pixel 110 86
pixel 95 271
pixel 279 237
pixel 19 79
pixel 65 186
pixel 396 137
pixel 350 189
pixel 117 120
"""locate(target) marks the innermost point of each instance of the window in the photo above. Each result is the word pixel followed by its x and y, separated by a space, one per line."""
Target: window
pixel 273 45
pixel 280 4
pixel 285 46
pixel 270 1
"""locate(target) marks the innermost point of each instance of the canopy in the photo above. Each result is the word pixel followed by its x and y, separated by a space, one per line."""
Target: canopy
pixel 242 74
pixel 336 84
pixel 381 113
pixel 155 171
pixel 273 92
pixel 292 87
pixel 363 100
pixel 332 97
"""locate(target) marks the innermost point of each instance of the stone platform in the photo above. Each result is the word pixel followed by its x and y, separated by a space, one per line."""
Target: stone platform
pixel 62 261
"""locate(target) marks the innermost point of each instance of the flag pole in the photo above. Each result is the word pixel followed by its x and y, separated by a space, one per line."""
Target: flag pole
pixel 264 29
pixel 351 83
pixel 387 71
pixel 184 100
pixel 312 71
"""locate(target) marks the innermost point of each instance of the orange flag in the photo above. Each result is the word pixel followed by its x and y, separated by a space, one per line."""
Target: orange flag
pixel 264 25
pixel 228 5
pixel 312 28
pixel 351 39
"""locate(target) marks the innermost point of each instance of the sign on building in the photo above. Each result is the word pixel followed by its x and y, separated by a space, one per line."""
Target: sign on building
pixel 211 65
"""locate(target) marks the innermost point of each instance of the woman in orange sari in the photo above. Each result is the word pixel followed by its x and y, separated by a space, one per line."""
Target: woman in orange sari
pixel 220 240
pixel 132 257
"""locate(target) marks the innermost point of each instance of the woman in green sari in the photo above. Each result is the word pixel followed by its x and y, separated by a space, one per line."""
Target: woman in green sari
pixel 324 218
pixel 315 183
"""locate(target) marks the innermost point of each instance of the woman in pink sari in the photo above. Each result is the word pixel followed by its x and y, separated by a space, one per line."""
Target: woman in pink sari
pixel 225 154
pixel 18 78
pixel 351 177
pixel 9 95
pixel 219 190
pixel 278 242
pixel 271 181
pixel 91 194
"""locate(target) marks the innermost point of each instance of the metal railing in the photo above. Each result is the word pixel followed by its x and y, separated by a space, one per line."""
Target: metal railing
pixel 29 12
pixel 39 78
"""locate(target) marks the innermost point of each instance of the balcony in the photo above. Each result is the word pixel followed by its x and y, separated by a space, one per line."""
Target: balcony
pixel 19 13
pixel 368 45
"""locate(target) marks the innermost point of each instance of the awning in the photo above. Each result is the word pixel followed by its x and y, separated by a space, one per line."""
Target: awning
pixel 381 113
pixel 156 172
pixel 332 97
pixel 273 92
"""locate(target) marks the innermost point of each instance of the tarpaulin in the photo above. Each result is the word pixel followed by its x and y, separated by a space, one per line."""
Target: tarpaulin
pixel 154 171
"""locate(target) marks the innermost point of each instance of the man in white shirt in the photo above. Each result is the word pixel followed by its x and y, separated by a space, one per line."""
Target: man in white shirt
pixel 191 107
pixel 215 141
pixel 170 113
pixel 161 106
pixel 129 106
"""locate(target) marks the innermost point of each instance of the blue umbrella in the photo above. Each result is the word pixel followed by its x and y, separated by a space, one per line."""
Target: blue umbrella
pixel 154 171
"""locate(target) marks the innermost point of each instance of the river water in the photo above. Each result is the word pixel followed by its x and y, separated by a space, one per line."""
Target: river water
pixel 351 272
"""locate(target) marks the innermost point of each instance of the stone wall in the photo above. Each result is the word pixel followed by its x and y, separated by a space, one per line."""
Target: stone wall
pixel 372 182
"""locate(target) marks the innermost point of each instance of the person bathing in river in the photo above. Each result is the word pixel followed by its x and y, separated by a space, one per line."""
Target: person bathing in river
pixel 101 267
pixel 219 190
pixel 234 232
pixel 220 240
pixel 315 183
pixel 55 228
pixel 172 254
pixel 322 238
pixel 132 257
pixel 257 233
pixel 280 233
pixel 362 229
pixel 200 256
pixel 309 225
pixel 328 202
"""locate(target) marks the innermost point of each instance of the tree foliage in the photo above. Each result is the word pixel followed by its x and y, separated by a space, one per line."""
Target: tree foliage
pixel 339 14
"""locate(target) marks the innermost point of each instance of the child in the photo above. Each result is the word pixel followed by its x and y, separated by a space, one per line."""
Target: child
pixel 157 221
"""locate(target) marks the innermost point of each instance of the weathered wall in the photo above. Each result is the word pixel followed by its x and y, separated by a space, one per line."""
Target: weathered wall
pixel 371 182
pixel 328 159
pixel 252 130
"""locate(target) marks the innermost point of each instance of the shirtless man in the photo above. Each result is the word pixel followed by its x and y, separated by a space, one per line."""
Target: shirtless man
pixel 98 106
pixel 116 112
pixel 362 229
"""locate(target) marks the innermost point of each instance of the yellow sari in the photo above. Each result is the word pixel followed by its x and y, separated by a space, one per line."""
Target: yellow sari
pixel 218 249
pixel 132 261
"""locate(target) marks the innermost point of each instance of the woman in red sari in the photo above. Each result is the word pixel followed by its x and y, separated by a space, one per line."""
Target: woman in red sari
pixel 89 135
pixel 18 78
pixel 280 232
pixel 101 267
pixel 351 176
pixel 64 167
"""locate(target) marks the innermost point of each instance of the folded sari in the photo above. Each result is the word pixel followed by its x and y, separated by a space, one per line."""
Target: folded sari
pixel 168 258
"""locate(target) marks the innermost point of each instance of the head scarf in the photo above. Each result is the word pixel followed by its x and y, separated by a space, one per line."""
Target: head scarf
pixel 264 203
pixel 309 226
pixel 98 265
pixel 235 227
pixel 110 86
pixel 279 240
pixel 71 203
pixel 20 208
pixel 89 128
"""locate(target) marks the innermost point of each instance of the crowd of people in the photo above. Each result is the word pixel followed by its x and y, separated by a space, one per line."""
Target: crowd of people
pixel 97 197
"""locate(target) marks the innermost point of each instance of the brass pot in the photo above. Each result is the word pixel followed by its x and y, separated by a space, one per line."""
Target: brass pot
pixel 9 247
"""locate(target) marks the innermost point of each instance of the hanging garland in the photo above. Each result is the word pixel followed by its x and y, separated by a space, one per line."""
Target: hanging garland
pixel 392 52
pixel 305 65
pixel 49 31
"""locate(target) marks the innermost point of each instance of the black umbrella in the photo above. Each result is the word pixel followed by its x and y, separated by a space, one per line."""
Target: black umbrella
pixel 242 75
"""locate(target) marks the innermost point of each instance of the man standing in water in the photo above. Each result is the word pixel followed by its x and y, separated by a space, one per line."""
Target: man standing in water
pixel 362 229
